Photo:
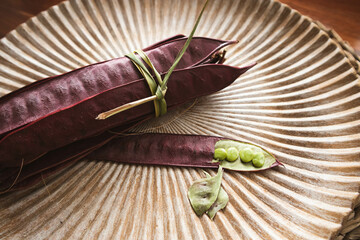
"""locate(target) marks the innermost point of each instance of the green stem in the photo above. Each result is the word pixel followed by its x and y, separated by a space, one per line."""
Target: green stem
pixel 159 102
pixel 181 53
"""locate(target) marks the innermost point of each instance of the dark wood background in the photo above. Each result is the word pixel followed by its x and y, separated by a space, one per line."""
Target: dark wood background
pixel 343 16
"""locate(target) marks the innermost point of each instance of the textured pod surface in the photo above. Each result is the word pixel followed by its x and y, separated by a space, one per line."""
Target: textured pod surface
pixel 176 150
pixel 59 92
pixel 301 102
pixel 68 103
pixel 77 121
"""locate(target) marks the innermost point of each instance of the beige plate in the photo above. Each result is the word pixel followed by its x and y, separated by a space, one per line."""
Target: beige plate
pixel 301 102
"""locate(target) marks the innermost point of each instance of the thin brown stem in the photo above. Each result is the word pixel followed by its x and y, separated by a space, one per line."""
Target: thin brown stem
pixel 18 175
pixel 105 115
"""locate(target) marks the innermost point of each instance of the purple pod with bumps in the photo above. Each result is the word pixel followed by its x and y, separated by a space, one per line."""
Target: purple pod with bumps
pixel 52 121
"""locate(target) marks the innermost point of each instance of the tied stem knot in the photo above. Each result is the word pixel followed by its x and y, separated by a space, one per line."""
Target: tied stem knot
pixel 158 88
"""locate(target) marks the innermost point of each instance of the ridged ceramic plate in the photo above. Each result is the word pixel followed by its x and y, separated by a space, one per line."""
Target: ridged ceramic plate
pixel 301 102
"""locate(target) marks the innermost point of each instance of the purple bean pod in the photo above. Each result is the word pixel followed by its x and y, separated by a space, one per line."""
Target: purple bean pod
pixel 58 111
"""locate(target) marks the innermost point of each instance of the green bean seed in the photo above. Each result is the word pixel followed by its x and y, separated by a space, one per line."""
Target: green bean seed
pixel 220 154
pixel 232 154
pixel 246 160
pixel 258 160
pixel 246 154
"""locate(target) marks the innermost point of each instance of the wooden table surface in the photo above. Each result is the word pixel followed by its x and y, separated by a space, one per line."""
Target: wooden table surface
pixel 342 16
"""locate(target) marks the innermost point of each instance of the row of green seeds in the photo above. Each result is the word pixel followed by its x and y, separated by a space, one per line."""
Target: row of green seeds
pixel 246 155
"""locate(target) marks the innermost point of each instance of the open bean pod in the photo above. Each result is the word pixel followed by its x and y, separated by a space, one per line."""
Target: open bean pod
pixel 238 163
pixel 178 150
pixel 145 149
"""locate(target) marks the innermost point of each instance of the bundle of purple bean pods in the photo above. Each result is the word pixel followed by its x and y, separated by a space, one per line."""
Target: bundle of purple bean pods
pixel 51 123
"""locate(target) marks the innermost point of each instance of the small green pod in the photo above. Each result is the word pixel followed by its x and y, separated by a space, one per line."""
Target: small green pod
pixel 220 154
pixel 232 154
pixel 258 160
pixel 263 161
pixel 220 202
pixel 246 154
pixel 204 192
